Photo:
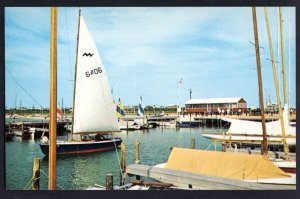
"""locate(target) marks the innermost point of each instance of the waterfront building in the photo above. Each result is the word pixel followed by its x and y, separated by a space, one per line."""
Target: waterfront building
pixel 216 106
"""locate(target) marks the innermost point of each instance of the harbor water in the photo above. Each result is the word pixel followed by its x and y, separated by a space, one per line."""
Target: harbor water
pixel 77 172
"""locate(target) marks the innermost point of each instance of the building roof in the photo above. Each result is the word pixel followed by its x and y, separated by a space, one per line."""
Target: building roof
pixel 215 100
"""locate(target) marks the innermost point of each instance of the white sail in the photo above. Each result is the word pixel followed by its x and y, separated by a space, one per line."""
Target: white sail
pixel 94 108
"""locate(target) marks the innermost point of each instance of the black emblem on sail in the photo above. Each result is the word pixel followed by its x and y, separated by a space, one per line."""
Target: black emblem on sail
pixel 88 54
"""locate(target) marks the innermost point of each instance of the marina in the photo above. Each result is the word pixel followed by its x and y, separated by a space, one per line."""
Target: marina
pixel 212 141
pixel 82 171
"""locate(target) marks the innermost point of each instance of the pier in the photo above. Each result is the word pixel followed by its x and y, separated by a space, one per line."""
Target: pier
pixel 198 181
pixel 39 125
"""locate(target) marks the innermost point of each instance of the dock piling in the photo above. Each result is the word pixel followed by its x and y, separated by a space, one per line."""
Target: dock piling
pixel 123 163
pixel 193 143
pixel 109 182
pixel 137 152
pixel 36 174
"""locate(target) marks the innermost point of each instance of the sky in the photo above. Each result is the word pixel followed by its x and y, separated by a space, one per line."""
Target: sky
pixel 146 51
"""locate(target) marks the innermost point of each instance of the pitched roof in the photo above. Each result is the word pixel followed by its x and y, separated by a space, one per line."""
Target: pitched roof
pixel 214 100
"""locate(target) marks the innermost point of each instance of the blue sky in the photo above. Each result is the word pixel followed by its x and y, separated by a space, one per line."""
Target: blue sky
pixel 146 51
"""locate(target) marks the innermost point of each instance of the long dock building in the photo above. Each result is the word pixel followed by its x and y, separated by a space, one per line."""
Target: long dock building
pixel 216 105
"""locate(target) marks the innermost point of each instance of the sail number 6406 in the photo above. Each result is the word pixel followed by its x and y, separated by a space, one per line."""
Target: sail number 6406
pixel 93 72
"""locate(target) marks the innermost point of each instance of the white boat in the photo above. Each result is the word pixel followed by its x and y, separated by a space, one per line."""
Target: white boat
pixel 251 132
pixel 129 125
pixel 93 107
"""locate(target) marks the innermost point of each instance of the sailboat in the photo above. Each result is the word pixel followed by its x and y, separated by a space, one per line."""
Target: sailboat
pixel 279 131
pixel 250 132
pixel 230 165
pixel 94 116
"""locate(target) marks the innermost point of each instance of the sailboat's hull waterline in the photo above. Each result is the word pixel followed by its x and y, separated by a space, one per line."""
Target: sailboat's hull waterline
pixel 82 147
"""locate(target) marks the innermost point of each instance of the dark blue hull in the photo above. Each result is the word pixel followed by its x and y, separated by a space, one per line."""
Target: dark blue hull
pixel 189 124
pixel 80 147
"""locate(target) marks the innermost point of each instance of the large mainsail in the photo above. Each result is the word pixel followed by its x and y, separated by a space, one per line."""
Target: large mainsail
pixel 94 108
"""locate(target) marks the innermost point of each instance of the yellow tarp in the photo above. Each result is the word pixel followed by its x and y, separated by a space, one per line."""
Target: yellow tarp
pixel 223 164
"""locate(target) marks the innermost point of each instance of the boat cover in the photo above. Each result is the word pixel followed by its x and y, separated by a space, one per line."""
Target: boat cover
pixel 224 164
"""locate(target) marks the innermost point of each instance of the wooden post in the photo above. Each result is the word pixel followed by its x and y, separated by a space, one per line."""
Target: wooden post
pixel 143 123
pixel 22 128
pixel 223 147
pixel 53 98
pixel 123 156
pixel 261 97
pixel 123 163
pixel 109 182
pixel 285 146
pixel 193 143
pixel 36 174
pixel 137 152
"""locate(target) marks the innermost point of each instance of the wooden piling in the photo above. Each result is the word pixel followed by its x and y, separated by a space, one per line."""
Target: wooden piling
pixel 137 152
pixel 36 174
pixel 143 123
pixel 123 156
pixel 123 163
pixel 193 143
pixel 223 147
pixel 109 182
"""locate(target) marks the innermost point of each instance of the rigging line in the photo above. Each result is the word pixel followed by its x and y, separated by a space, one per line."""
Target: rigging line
pixel 25 188
pixel 117 154
pixel 32 183
pixel 48 178
pixel 68 43
pixel 23 88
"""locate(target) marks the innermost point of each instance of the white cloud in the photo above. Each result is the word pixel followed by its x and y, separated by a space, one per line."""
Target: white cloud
pixel 156 44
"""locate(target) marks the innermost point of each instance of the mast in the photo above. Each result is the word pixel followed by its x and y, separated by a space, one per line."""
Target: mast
pixel 282 57
pixel 73 111
pixel 261 97
pixel 285 146
pixel 289 63
pixel 53 107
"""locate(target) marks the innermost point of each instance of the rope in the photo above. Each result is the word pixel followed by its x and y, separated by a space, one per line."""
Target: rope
pixel 32 183
pixel 117 154
pixel 23 88
pixel 48 177
pixel 209 146
pixel 25 188
pixel 68 43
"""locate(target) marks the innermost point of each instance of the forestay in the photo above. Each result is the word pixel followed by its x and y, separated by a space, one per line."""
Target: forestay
pixel 94 108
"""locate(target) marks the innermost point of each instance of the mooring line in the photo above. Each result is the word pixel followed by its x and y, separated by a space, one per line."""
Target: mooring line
pixel 32 183
pixel 25 188
pixel 117 155
pixel 48 177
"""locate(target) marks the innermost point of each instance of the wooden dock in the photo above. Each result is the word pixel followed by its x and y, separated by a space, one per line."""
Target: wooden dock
pixel 198 181
pixel 38 124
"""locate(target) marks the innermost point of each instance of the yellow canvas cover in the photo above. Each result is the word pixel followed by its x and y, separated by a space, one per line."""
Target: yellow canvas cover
pixel 223 164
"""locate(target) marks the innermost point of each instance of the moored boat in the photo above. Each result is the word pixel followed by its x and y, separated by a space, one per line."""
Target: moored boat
pixel 93 106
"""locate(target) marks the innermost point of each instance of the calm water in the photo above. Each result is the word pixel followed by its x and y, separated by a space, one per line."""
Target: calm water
pixel 82 171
